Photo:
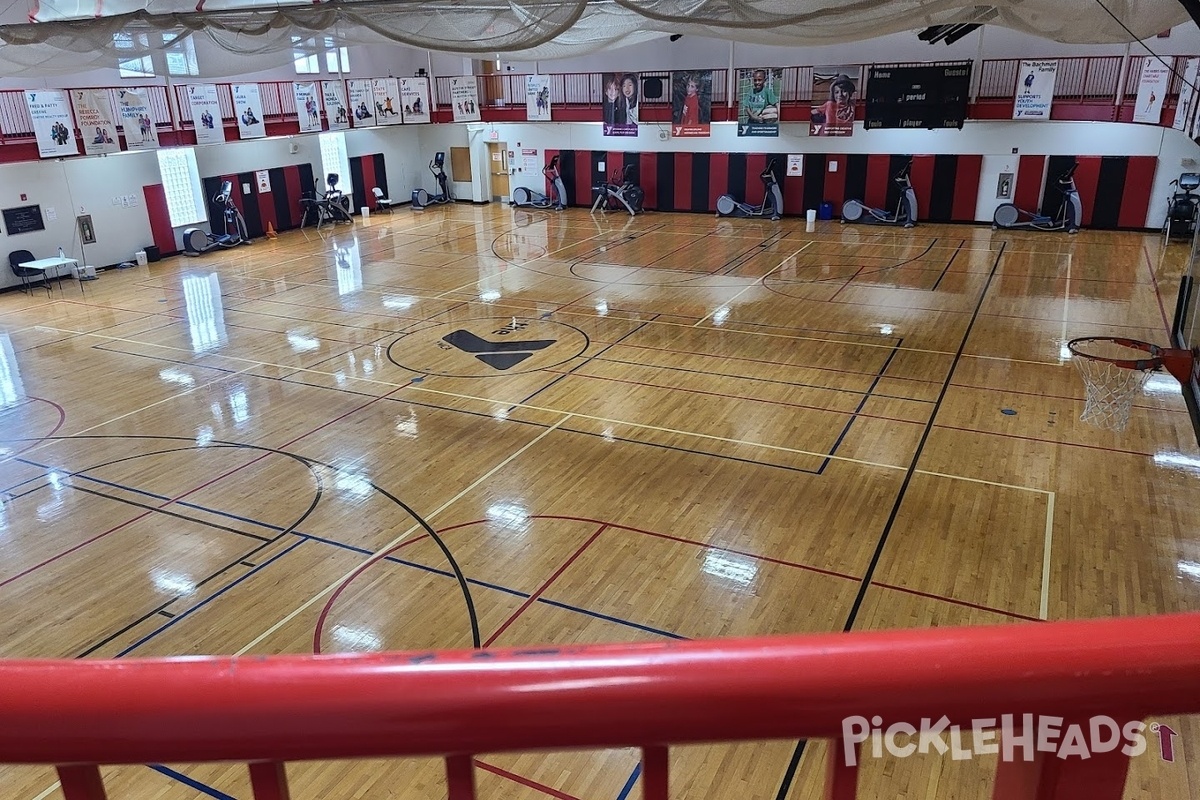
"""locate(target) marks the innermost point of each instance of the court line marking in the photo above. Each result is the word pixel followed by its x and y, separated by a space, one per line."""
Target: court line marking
pixel 761 280
pixel 415 527
pixel 546 254
pixel 1044 609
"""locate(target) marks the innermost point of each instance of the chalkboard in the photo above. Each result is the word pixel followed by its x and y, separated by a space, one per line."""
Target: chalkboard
pixel 926 96
pixel 25 219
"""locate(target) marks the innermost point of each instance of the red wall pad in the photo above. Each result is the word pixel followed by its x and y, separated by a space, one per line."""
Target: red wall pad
pixel 1135 200
pixel 1030 171
pixel 966 188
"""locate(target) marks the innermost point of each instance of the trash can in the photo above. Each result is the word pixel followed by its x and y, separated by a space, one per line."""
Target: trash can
pixel 812 215
pixel 826 210
pixel 153 254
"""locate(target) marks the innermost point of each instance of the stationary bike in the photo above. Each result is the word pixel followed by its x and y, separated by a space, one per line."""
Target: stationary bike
pixel 906 209
pixel 620 192
pixel 1069 216
pixel 1183 207
pixel 422 199
pixel 772 204
pixel 197 241
pixel 528 198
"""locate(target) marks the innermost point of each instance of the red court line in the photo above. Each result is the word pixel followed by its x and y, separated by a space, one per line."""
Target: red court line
pixel 945 599
pixel 62 415
pixel 735 397
pixel 541 589
pixel 1157 293
pixel 503 773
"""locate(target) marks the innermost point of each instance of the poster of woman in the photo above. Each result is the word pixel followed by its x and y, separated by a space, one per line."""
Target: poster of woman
pixel 620 103
pixel 834 100
pixel 691 103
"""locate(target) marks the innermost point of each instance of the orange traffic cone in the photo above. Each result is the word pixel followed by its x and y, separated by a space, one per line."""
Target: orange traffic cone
pixel 271 234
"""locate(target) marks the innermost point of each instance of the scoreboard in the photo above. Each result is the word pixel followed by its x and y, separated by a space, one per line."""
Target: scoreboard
pixel 921 96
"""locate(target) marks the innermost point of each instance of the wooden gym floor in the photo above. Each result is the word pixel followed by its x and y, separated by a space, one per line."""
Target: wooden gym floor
pixel 621 429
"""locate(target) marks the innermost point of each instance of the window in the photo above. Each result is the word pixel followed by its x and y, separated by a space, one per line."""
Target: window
pixel 331 57
pixel 181 184
pixel 333 159
pixel 305 64
pixel 181 55
pixel 140 67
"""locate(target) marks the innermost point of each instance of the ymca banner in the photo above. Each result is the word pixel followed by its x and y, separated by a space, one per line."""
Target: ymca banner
pixel 206 114
pixel 758 92
pixel 386 94
pixel 464 99
pixel 620 107
pixel 137 120
pixel 247 106
pixel 50 110
pixel 414 94
pixel 691 103
pixel 537 98
pixel 308 107
pixel 1035 89
pixel 93 111
pixel 834 97
pixel 336 110
pixel 1187 95
pixel 362 103
pixel 1152 90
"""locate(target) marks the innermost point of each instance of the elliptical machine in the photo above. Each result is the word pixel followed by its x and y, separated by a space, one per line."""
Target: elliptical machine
pixel 906 208
pixel 772 204
pixel 1183 207
pixel 619 193
pixel 197 241
pixel 422 199
pixel 1069 216
pixel 528 198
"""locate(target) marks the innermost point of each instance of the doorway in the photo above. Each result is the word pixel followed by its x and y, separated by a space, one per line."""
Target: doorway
pixel 498 167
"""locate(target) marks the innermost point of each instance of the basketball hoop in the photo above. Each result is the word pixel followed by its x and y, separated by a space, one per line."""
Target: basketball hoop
pixel 1114 371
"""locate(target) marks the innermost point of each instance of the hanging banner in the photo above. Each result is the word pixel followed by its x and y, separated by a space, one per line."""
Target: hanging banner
pixel 308 107
pixel 1152 90
pixel 206 114
pixel 758 93
pixel 386 94
pixel 93 112
pixel 1187 95
pixel 1035 89
pixel 414 94
pixel 50 110
pixel 464 99
pixel 620 106
pixel 362 103
pixel 336 110
pixel 834 100
pixel 691 103
pixel 247 105
pixel 537 98
pixel 137 120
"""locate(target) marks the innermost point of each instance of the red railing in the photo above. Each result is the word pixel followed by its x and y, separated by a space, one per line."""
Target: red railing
pixel 79 714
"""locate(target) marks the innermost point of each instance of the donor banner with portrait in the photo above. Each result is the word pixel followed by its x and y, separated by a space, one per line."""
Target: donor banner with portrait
pixel 50 110
pixel 247 104
pixel 1035 89
pixel 537 98
pixel 93 110
pixel 759 92
pixel 206 113
pixel 414 93
pixel 620 106
pixel 464 98
pixel 691 103
pixel 137 119
pixel 834 100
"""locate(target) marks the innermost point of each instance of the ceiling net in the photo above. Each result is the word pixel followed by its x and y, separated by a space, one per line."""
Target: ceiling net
pixel 66 36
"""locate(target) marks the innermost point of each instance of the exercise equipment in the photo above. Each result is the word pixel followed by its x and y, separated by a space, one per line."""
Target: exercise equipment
pixel 619 192
pixel 772 204
pixel 197 240
pixel 1183 207
pixel 528 198
pixel 906 207
pixel 1068 219
pixel 422 199
pixel 333 206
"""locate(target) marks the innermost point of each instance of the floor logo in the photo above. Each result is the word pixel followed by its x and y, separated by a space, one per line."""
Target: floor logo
pixel 488 347
pixel 501 355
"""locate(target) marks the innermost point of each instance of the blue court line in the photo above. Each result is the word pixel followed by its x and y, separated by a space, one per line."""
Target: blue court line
pixel 617 620
pixel 629 784
pixel 207 600
pixel 191 782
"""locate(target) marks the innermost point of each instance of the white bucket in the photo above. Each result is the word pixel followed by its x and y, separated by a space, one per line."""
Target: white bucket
pixel 812 215
pixel 140 255
pixel 366 212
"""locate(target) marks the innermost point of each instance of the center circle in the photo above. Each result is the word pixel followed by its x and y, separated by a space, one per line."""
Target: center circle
pixel 488 347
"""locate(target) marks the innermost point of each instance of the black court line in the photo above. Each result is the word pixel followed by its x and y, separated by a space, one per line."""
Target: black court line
pixel 167 513
pixel 790 775
pixel 861 403
pixel 957 250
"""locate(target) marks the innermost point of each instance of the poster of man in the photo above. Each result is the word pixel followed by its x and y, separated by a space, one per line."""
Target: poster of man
pixel 620 105
pixel 759 92
pixel 834 100
pixel 691 103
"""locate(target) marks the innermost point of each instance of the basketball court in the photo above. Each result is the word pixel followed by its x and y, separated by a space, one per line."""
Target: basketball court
pixel 480 427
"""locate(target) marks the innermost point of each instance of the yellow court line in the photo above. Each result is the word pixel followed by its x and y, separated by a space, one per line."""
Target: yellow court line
pixel 331 587
pixel 1044 608
pixel 760 281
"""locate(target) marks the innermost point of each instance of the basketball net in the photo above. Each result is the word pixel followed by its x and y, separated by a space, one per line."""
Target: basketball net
pixel 1110 392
